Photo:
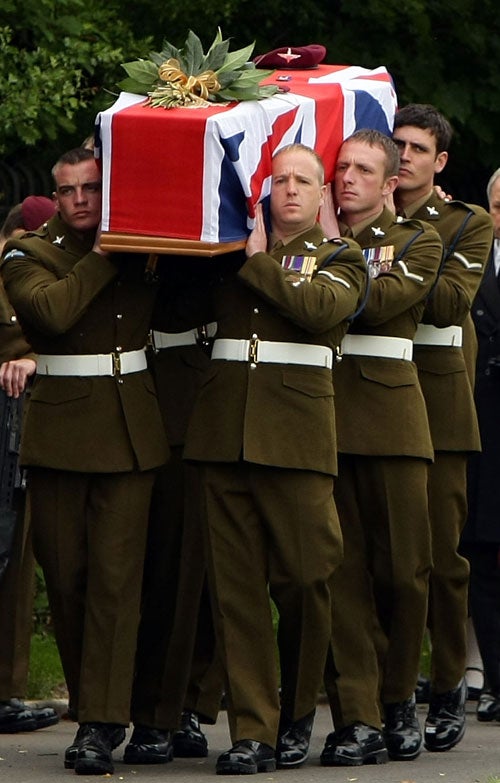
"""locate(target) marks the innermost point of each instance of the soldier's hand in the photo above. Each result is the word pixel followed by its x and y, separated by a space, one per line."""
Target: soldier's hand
pixel 14 375
pixel 97 243
pixel 257 241
pixel 328 214
pixel 442 195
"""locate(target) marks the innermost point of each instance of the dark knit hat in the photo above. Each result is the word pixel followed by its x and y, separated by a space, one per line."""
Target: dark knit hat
pixel 292 57
pixel 36 210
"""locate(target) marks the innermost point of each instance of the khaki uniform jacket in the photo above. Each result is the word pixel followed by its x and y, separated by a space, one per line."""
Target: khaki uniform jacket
pixel 278 414
pixel 442 370
pixel 13 344
pixel 380 406
pixel 70 300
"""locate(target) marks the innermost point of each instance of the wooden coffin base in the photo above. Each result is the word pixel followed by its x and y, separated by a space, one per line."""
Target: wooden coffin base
pixel 114 242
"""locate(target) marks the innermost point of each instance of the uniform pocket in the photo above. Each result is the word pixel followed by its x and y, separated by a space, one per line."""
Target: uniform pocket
pixel 313 383
pixel 55 391
pixel 389 372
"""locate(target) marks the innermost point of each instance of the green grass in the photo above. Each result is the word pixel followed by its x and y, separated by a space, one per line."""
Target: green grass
pixel 46 678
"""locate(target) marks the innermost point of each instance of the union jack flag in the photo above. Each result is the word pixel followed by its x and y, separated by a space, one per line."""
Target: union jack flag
pixel 197 174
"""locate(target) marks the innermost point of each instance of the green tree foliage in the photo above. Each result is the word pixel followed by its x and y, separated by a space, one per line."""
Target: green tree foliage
pixel 444 52
pixel 61 56
pixel 53 64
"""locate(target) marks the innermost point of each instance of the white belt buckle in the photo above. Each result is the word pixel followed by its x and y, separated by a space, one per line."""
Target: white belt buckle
pixel 116 364
pixel 253 350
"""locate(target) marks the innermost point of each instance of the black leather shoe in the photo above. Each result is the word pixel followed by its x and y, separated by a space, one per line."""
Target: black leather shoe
pixel 402 733
pixel 293 742
pixel 96 742
pixel 15 716
pixel 353 746
pixel 44 716
pixel 445 722
pixel 72 750
pixel 246 757
pixel 148 746
pixel 189 741
pixel 488 707
pixel 423 690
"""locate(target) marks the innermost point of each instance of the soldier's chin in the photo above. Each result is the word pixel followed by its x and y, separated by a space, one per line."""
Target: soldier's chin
pixel 84 223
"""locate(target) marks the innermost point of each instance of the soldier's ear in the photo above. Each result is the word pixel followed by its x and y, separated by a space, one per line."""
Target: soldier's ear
pixel 389 186
pixel 441 161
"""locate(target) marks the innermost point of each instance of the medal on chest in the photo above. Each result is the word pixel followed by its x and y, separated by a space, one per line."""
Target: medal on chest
pixel 300 268
pixel 379 259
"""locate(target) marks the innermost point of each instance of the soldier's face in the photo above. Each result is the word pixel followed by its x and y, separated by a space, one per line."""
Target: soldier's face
pixel 419 158
pixel 361 185
pixel 296 193
pixel 495 207
pixel 78 194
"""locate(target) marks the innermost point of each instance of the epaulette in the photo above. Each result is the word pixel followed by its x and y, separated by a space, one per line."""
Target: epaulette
pixel 339 244
pixel 40 232
pixel 411 222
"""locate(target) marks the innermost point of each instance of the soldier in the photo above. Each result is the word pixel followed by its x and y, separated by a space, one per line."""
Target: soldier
pixel 93 438
pixel 422 136
pixel 176 630
pixel 380 590
pixel 18 364
pixel 263 429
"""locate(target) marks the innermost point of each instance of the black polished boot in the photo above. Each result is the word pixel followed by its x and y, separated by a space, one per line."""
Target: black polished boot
pixel 246 757
pixel 15 716
pixel 293 741
pixel 402 733
pixel 488 706
pixel 189 740
pixel 445 722
pixel 148 746
pixel 95 744
pixel 353 746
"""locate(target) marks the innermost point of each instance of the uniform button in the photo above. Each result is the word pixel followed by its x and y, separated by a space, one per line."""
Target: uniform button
pixel 479 312
pixel 255 336
pixel 120 380
pixel 256 310
pixel 491 339
pixel 253 366
pixel 118 348
pixel 13 319
pixel 119 316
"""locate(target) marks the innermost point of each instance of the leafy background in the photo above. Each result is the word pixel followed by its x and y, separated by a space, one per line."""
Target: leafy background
pixel 60 61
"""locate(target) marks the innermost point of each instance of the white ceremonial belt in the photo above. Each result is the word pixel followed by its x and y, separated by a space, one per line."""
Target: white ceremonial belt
pixel 427 334
pixel 116 363
pixel 256 350
pixel 177 339
pixel 375 345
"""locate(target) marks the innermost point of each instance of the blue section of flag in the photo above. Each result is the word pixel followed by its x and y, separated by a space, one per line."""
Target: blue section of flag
pixel 367 113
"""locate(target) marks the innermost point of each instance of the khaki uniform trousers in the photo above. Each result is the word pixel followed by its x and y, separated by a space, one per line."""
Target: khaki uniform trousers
pixel 176 663
pixel 16 609
pixel 449 579
pixel 380 589
pixel 270 531
pixel 89 536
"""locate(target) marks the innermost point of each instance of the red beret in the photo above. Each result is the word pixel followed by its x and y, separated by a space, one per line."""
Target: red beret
pixel 36 210
pixel 298 57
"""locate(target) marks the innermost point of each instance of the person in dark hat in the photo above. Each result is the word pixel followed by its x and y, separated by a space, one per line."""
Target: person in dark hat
pixel 17 365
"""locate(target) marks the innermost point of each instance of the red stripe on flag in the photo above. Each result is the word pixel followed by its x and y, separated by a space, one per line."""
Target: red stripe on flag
pixel 141 182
